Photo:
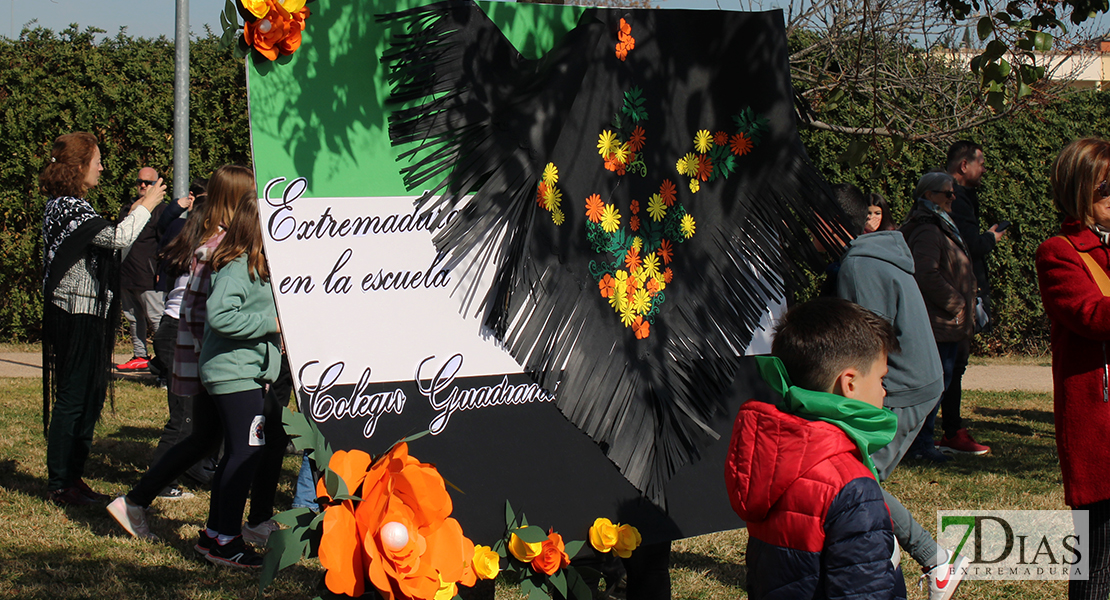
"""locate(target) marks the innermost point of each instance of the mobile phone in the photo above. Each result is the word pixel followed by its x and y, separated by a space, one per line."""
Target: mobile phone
pixel 1001 226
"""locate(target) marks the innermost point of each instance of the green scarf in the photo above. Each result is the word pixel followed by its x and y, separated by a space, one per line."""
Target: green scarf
pixel 869 427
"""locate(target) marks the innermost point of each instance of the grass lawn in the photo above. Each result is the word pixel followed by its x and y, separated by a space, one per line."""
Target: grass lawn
pixel 48 552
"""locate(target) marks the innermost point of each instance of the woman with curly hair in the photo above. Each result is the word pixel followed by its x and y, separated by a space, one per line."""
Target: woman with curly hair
pixel 80 269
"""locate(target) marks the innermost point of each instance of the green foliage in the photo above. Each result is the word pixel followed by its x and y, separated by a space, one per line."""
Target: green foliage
pixel 1019 152
pixel 121 90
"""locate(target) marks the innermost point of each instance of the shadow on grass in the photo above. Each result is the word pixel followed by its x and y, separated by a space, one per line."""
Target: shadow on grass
pixel 726 573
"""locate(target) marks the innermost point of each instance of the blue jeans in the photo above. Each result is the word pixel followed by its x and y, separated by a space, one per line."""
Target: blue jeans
pixel 305 494
pixel 949 358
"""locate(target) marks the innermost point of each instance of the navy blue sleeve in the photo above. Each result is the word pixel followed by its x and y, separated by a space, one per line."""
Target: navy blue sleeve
pixel 859 543
pixel 169 214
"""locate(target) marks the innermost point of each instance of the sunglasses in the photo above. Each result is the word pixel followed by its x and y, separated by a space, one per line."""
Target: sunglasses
pixel 947 194
pixel 145 182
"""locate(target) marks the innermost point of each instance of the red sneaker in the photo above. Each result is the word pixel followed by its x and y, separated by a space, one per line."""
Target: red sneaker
pixel 135 364
pixel 962 443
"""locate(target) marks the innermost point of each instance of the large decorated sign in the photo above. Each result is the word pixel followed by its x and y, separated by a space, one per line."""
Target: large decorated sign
pixel 659 170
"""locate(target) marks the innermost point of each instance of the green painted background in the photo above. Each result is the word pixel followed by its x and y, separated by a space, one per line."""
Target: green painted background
pixel 321 113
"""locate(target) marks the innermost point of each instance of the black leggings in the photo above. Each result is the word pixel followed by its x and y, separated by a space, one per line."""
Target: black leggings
pixel 1098 585
pixel 244 440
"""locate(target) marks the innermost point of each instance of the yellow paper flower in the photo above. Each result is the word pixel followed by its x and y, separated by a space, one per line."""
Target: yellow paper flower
pixel 641 301
pixel 523 551
pixel 691 165
pixel 603 534
pixel 487 564
pixel 687 226
pixel 628 539
pixel 680 166
pixel 606 143
pixel 446 591
pixel 550 174
pixel 258 8
pixel 621 275
pixel 703 141
pixel 656 208
pixel 659 281
pixel 552 197
pixel 611 218
pixel 558 217
pixel 637 243
pixel 620 153
pixel 628 315
pixel 695 185
pixel 651 265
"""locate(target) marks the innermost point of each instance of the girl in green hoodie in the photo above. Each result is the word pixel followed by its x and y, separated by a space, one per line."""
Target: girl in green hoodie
pixel 239 356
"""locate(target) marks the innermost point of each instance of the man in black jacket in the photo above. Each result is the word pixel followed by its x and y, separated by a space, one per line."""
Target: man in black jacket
pixel 966 164
pixel 141 302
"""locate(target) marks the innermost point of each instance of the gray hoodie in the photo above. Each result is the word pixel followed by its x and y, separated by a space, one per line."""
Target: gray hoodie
pixel 877 273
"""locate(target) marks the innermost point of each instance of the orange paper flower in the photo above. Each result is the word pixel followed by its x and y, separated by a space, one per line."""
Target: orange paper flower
pixel 642 329
pixel 632 259
pixel 607 285
pixel 402 534
pixel 279 32
pixel 720 138
pixel 594 208
pixel 552 555
pixel 634 223
pixel 634 206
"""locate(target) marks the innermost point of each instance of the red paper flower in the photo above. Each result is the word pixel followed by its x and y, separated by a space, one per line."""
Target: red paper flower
pixel 638 139
pixel 667 192
pixel 720 138
pixel 634 223
pixel 666 252
pixel 741 144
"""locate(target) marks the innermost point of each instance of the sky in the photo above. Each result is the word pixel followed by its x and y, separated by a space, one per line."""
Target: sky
pixel 143 18
pixel 152 18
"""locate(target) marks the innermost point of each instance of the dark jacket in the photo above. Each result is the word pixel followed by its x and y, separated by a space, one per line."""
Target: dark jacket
pixel 1080 317
pixel 965 213
pixel 877 272
pixel 944 275
pixel 139 266
pixel 817 522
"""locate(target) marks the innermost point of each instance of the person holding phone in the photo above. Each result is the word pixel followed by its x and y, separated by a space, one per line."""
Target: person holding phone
pixel 966 164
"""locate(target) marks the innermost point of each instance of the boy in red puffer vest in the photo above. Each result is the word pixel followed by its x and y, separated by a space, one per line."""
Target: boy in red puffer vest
pixel 800 473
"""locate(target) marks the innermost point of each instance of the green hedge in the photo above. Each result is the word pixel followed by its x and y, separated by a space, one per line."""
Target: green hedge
pixel 1019 152
pixel 121 89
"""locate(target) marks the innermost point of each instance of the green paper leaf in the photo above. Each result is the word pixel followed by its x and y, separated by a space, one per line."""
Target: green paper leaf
pixel 285 549
pixel 579 589
pixel 573 548
pixel 336 487
pixel 527 587
pixel 559 580
pixel 294 517
pixel 531 534
pixel 538 594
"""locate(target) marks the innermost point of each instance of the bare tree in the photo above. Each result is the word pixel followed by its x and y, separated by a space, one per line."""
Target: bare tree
pixel 895 67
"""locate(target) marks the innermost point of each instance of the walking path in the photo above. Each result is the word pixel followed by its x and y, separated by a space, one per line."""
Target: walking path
pixel 1001 378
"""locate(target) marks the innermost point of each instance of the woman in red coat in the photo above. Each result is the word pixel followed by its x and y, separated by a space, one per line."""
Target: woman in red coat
pixel 1080 316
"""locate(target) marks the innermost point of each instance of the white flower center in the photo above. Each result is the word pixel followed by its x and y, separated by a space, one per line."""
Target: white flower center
pixel 265 26
pixel 394 535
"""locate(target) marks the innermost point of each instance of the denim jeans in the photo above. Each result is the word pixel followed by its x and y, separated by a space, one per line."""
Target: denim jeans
pixel 305 494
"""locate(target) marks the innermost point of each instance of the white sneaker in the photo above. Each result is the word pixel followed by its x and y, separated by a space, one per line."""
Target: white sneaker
pixel 945 577
pixel 259 534
pixel 131 517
